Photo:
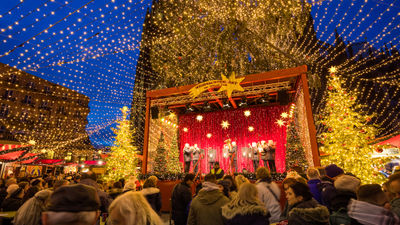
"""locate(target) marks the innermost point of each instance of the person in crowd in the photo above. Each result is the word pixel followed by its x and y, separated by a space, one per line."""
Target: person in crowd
pixel 245 208
pixel 226 185
pixel 115 190
pixel 240 179
pixel 14 198
pixel 24 185
pixel 233 187
pixel 129 186
pixel 180 199
pixel 59 183
pixel 287 182
pixel 187 156
pixel 269 193
pixel 389 194
pixel 327 188
pixel 196 157
pixel 371 207
pixel 131 208
pixel 394 187
pixel 36 185
pixel 89 179
pixel 346 188
pixel 30 213
pixel 3 190
pixel 270 155
pixel 205 208
pixel 122 180
pixel 76 204
pixel 152 193
pixel 313 183
pixel 217 171
pixel 304 209
pixel 10 181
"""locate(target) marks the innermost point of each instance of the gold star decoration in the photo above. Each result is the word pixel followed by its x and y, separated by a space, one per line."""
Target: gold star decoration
pixel 247 113
pixel 209 135
pixel 251 128
pixel 231 84
pixel 280 122
pixel 333 69
pixel 185 129
pixel 225 124
pixel 199 118
pixel 284 115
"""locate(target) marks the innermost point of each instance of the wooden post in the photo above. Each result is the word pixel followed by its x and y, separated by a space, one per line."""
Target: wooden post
pixel 146 136
pixel 310 120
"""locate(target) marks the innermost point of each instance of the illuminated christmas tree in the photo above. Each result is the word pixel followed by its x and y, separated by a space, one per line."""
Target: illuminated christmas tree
pixel 295 155
pixel 123 160
pixel 348 133
pixel 160 159
pixel 173 163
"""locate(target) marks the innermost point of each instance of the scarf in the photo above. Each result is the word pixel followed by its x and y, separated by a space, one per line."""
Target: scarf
pixel 369 214
pixel 209 186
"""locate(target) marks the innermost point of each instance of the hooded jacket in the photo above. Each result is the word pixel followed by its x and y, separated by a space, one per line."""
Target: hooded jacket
pixel 206 208
pixel 308 213
pixel 153 197
pixel 180 199
pixel 316 193
pixel 270 198
pixel 369 214
pixel 243 212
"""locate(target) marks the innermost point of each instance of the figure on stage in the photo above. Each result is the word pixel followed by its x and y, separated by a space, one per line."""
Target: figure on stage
pixel 196 156
pixel 217 171
pixel 212 155
pixel 271 155
pixel 254 155
pixel 187 157
pixel 264 153
pixel 233 156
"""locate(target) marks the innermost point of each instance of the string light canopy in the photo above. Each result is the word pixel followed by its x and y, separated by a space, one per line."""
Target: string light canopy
pixel 102 50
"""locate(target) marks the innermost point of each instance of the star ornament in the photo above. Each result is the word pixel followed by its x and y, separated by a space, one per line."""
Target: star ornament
pixel 225 124
pixel 333 69
pixel 231 84
pixel 280 122
pixel 247 113
pixel 284 115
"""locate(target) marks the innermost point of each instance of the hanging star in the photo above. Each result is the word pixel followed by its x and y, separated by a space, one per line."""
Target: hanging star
pixel 280 122
pixel 251 128
pixel 225 124
pixel 247 113
pixel 199 118
pixel 333 69
pixel 231 84
pixel 284 115
pixel 209 135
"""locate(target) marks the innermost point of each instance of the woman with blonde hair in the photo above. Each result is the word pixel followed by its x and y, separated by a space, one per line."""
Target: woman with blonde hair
pixel 240 179
pixel 132 208
pixel 245 208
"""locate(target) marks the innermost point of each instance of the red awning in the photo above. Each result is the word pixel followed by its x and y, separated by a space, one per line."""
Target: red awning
pixel 28 158
pixel 49 161
pixel 11 155
pixel 394 141
pixel 94 163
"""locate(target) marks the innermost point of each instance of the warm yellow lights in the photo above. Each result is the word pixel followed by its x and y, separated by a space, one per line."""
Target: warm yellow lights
pixel 251 128
pixel 284 115
pixel 280 122
pixel 333 69
pixel 247 113
pixel 225 124
pixel 185 129
pixel 209 135
pixel 199 118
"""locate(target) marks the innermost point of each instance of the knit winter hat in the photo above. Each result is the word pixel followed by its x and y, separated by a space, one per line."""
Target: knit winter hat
pixel 12 188
pixel 347 183
pixel 333 170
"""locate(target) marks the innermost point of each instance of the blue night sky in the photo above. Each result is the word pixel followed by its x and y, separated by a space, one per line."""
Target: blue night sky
pixel 96 44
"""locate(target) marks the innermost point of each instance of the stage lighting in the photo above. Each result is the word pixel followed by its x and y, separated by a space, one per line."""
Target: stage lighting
pixel 226 105
pixel 265 99
pixel 190 108
pixel 207 107
pixel 243 102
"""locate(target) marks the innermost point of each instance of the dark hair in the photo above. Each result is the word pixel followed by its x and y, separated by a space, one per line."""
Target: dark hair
pixel 226 184
pixel 89 175
pixel 393 177
pixel 189 176
pixel 216 163
pixel 16 192
pixel 233 186
pixel 35 182
pixel 210 177
pixel 289 181
pixel 59 183
pixel 301 189
pixel 148 183
pixel 23 184
pixel 369 192
pixel 117 184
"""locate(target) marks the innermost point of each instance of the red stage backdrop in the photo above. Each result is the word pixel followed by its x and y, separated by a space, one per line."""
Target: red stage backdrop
pixel 262 119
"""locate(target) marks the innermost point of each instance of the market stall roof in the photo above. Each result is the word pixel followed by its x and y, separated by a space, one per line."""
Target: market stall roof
pixel 49 161
pixel 28 158
pixel 393 141
pixel 13 152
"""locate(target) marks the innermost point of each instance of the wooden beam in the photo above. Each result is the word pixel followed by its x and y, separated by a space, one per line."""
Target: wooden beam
pixel 216 98
pixel 252 78
pixel 233 103
pixel 146 137
pixel 310 120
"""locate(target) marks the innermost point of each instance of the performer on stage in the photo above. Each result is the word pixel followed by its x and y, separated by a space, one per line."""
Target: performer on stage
pixel 271 155
pixel 217 171
pixel 264 151
pixel 196 156
pixel 254 155
pixel 212 155
pixel 233 156
pixel 187 157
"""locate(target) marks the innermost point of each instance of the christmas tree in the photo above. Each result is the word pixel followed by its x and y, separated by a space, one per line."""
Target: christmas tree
pixel 348 133
pixel 295 155
pixel 122 160
pixel 173 164
pixel 160 159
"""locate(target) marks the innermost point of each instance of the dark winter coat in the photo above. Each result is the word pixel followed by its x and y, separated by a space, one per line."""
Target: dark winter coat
pixel 153 196
pixel 328 192
pixel 3 194
pixel 11 204
pixel 180 199
pixel 308 213
pixel 187 154
pixel 105 199
pixel 342 199
pixel 237 213
pixel 395 206
pixel 316 193
pixel 340 217
pixel 205 208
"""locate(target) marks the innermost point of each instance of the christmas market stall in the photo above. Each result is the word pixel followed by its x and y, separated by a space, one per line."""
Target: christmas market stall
pixel 228 120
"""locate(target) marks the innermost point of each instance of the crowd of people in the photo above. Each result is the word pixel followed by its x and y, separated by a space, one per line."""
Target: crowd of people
pixel 320 196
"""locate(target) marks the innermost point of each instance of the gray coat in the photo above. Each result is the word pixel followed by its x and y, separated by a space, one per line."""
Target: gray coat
pixel 196 153
pixel 187 154
pixel 211 155
pixel 270 155
pixel 254 153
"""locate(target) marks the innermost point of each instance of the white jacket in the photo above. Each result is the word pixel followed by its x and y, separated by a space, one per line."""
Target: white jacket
pixel 267 198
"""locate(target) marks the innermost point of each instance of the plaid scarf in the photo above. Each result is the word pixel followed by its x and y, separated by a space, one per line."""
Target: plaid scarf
pixel 369 214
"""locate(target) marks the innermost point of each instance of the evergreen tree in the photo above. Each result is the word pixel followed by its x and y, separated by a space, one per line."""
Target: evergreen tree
pixel 123 159
pixel 348 134
pixel 173 164
pixel 160 159
pixel 295 155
